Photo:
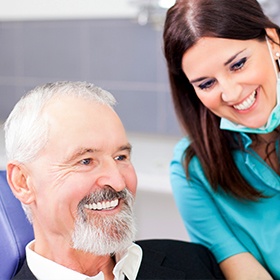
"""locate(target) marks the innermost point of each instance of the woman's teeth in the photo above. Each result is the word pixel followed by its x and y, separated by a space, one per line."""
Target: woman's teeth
pixel 104 205
pixel 246 104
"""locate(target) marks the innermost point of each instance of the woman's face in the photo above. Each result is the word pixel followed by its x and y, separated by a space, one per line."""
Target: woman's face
pixel 235 79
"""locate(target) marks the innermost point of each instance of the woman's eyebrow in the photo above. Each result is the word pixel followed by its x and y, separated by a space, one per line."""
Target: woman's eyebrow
pixel 225 64
pixel 198 80
pixel 233 57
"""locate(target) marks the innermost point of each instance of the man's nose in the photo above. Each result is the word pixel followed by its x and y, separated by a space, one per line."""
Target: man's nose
pixel 231 91
pixel 111 175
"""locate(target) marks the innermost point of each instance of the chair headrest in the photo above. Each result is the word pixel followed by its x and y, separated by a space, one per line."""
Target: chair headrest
pixel 16 231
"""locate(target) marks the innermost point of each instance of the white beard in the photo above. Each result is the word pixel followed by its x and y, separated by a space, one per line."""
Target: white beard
pixel 101 234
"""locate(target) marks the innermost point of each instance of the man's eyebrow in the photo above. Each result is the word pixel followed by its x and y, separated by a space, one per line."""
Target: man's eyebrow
pixel 78 153
pixel 83 151
pixel 127 147
pixel 225 64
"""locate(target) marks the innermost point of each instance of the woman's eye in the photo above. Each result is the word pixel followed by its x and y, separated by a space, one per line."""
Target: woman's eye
pixel 86 161
pixel 238 65
pixel 207 84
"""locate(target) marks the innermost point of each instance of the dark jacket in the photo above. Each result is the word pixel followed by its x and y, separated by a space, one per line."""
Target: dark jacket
pixel 166 259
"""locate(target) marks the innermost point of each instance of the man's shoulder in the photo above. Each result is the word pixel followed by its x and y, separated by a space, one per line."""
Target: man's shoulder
pixel 24 273
pixel 186 260
pixel 171 246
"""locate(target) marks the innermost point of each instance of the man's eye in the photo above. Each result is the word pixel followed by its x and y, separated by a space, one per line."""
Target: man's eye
pixel 207 84
pixel 86 161
pixel 120 158
pixel 238 65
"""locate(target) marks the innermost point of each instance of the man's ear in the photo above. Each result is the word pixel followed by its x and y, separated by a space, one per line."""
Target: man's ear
pixel 274 39
pixel 17 178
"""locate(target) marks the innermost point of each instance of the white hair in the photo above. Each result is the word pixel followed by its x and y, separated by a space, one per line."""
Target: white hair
pixel 26 132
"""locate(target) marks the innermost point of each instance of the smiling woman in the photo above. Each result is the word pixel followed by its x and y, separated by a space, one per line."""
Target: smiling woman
pixel 223 64
pixel 233 83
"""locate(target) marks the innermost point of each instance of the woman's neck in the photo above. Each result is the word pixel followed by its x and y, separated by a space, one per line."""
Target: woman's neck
pixel 265 146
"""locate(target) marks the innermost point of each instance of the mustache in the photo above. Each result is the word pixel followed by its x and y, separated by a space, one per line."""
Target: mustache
pixel 104 194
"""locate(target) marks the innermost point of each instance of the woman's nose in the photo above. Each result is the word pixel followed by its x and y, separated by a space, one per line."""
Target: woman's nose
pixel 231 91
pixel 111 175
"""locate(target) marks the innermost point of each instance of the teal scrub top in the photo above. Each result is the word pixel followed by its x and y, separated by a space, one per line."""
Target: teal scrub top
pixel 224 224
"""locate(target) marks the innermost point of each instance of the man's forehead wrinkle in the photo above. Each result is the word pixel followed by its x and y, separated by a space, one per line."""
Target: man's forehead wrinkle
pixel 84 150
pixel 79 152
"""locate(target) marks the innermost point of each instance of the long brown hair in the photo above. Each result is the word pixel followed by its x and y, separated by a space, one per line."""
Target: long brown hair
pixel 186 22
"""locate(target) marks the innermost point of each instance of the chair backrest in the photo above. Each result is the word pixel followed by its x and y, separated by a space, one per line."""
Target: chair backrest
pixel 15 231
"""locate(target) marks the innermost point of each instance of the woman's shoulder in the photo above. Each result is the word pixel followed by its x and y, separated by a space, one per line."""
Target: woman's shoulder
pixel 181 146
pixel 177 163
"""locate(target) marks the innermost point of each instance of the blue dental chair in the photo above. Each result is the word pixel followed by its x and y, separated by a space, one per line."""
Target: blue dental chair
pixel 15 231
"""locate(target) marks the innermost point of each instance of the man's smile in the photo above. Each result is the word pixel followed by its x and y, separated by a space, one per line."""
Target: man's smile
pixel 103 205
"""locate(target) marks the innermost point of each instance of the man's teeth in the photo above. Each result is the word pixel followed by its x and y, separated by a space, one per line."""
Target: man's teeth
pixel 104 205
pixel 246 104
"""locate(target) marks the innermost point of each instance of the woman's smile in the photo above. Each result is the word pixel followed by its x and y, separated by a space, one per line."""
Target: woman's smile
pixel 247 103
pixel 233 83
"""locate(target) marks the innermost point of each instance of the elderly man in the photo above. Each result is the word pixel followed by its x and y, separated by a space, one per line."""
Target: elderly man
pixel 69 165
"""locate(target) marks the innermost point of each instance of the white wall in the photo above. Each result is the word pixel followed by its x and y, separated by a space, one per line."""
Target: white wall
pixel 156 213
pixel 65 9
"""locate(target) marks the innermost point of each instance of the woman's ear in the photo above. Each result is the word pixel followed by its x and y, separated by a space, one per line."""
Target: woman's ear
pixel 18 180
pixel 273 39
